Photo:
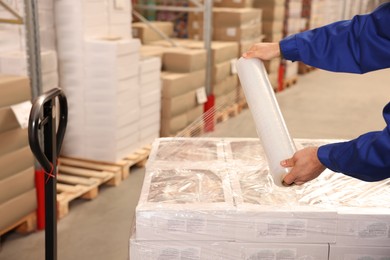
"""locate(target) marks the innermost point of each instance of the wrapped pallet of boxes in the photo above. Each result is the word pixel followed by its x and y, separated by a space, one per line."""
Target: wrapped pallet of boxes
pixel 232 210
pixel 18 194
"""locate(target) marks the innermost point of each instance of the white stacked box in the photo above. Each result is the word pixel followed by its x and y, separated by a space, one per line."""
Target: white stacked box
pixel 277 217
pixel 15 63
pixel 183 197
pixel 105 107
pixel 186 209
pixel 13 49
pixel 13 37
pixel 150 99
pixel 99 73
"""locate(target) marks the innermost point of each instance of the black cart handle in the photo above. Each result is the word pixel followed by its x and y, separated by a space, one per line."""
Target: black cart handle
pixel 34 125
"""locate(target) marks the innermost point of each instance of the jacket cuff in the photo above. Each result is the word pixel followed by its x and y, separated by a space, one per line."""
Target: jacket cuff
pixel 289 49
pixel 323 154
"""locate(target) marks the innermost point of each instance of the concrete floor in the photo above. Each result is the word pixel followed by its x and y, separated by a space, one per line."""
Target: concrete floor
pixel 320 105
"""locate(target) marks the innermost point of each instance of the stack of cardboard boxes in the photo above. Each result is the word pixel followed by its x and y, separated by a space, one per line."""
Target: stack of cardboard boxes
pixel 273 24
pixel 184 73
pixel 294 23
pixel 99 72
pixel 18 194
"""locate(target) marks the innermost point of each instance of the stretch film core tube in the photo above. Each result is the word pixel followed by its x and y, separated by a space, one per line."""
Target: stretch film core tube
pixel 270 125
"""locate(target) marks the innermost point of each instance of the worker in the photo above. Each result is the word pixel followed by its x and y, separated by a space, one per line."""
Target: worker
pixel 359 45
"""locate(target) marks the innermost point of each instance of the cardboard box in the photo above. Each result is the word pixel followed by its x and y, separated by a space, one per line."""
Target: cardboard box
pixel 15 162
pixel 17 184
pixel 338 252
pixel 171 126
pixel 17 208
pixel 267 3
pixel 193 212
pixel 247 32
pixel 233 3
pixel 221 71
pixel 13 140
pixel 14 90
pixel 195 115
pixel 275 37
pixel 243 251
pixel 221 51
pixel 146 34
pixel 236 17
pixel 175 84
pixel 363 227
pixel 270 27
pixel 152 51
pixel 273 13
pixel 226 86
pixel 7 120
pixel 246 45
pixel 184 60
pixel 178 105
pixel 272 66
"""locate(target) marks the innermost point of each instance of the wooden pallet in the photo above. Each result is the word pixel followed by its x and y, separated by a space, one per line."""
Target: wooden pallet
pixel 25 225
pixel 242 104
pixel 80 178
pixel 138 158
pixel 231 111
pixel 289 82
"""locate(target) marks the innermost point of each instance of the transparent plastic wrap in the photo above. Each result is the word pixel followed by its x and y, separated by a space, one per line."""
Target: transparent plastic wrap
pixel 224 193
pixel 222 250
pixel 270 125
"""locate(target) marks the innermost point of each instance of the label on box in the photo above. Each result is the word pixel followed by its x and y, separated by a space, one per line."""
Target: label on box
pixel 177 253
pixel 22 113
pixel 269 253
pixel 201 95
pixel 373 230
pixel 281 228
pixel 237 1
pixel 233 68
pixel 231 32
pixel 364 257
pixel 119 4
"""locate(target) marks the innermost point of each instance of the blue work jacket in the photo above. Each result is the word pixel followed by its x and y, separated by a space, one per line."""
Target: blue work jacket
pixel 359 45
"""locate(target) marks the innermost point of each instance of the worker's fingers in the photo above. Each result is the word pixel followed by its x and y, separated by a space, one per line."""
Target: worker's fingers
pixel 248 54
pixel 287 163
pixel 288 179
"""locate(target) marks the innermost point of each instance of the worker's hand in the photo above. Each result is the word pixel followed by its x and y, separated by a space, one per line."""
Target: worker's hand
pixel 305 166
pixel 263 51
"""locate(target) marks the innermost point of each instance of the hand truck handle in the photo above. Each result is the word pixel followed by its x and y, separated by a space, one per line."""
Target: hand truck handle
pixel 34 124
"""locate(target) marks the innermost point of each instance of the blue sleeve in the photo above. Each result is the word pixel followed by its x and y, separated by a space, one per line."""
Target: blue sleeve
pixel 357 46
pixel 366 157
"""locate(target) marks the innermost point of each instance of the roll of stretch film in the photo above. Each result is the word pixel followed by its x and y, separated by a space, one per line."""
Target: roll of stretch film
pixel 269 121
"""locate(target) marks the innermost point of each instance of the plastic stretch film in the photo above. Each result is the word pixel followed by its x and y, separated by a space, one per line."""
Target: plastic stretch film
pixel 270 125
pixel 214 199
